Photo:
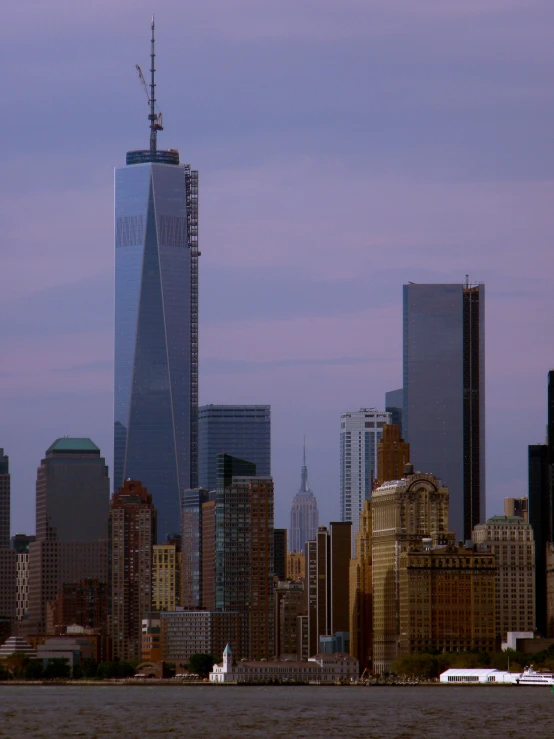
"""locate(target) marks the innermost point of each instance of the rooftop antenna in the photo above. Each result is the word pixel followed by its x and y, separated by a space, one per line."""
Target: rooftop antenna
pixel 155 119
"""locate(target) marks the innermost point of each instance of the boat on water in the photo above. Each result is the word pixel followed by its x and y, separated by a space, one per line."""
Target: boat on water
pixel 529 676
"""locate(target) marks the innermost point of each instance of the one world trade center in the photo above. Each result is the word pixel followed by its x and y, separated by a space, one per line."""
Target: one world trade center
pixel 156 322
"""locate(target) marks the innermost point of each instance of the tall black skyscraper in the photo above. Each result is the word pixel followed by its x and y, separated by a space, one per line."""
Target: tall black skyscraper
pixel 541 506
pixel 156 323
pixel 443 415
pixel 7 555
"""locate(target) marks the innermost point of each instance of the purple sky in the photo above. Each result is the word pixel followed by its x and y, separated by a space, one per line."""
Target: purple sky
pixel 344 146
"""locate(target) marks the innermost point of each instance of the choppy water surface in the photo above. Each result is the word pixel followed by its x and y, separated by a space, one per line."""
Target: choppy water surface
pixel 203 711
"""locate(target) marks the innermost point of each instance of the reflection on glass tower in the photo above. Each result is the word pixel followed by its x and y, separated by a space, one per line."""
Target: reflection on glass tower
pixel 156 322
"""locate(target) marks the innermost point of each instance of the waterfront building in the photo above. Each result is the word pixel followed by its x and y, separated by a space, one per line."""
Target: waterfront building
pixel 296 565
pixel 184 633
pixel 132 534
pixel 361 593
pixel 359 436
pixel 403 512
pixel 17 645
pixel 510 540
pixel 72 500
pixel 280 553
pixel 444 393
pixel 393 454
pixel 446 600
pixel 156 324
pixel 517 507
pixel 321 668
pixel 304 516
pixel 327 577
pixel 166 576
pixel 289 605
pixel 242 431
pixel 7 555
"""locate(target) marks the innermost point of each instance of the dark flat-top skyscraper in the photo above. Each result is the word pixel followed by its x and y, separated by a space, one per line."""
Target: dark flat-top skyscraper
pixel 243 431
pixel 156 323
pixel 444 393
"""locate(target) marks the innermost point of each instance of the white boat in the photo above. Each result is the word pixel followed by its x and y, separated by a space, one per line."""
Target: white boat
pixel 529 676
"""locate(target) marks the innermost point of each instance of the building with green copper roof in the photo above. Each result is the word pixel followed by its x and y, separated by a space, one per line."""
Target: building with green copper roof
pixel 72 444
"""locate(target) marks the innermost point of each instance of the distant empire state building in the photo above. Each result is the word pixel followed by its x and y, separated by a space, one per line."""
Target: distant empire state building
pixel 156 322
pixel 304 517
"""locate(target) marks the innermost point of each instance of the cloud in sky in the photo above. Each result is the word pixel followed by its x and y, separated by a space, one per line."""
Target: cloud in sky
pixel 344 148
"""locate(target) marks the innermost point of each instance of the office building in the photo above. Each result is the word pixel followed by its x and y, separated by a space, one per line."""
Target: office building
pixel 7 555
pixel 242 431
pixel 156 325
pixel 327 583
pixel 184 633
pixel 361 593
pixel 83 603
pixel 444 393
pixel 192 522
pixel 72 500
pixel 549 574
pixel 540 518
pixel 304 516
pixel 244 557
pixel 166 576
pixel 446 600
pixel 517 507
pixel 393 454
pixel 132 534
pixel 289 605
pixel 541 506
pixel 394 403
pixel 296 565
pixel 403 512
pixel 359 436
pixel 510 540
pixel 280 553
pixel 20 545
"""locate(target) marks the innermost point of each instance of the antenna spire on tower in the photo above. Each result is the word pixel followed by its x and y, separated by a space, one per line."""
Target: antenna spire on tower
pixel 152 117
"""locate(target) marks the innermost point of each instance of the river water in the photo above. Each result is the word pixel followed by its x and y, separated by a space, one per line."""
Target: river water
pixel 103 711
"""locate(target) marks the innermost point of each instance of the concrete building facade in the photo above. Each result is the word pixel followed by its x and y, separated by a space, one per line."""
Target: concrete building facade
pixel 393 454
pixel 166 576
pixel 510 540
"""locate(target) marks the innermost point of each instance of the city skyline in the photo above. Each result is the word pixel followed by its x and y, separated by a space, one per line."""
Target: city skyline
pixel 452 190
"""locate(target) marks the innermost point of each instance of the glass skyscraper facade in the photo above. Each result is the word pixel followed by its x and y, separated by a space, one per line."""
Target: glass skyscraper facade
pixel 443 416
pixel 360 432
pixel 242 431
pixel 156 284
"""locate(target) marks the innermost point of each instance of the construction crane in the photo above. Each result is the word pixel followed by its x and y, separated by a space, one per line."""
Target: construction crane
pixel 154 118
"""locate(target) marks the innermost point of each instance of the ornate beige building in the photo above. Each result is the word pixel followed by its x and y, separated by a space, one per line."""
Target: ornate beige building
pixel 510 539
pixel 403 513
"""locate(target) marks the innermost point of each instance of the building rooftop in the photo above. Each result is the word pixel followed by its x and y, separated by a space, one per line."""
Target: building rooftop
pixel 72 444
pixel 506 520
